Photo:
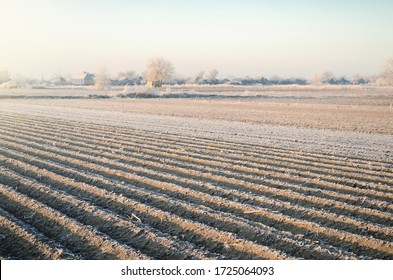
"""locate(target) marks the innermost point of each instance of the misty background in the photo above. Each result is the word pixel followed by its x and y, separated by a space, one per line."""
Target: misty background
pixel 239 38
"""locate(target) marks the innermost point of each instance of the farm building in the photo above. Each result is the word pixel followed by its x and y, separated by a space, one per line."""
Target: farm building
pixel 154 84
pixel 85 79
pixel 58 81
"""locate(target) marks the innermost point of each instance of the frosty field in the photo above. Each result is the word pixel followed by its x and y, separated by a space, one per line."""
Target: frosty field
pixel 290 175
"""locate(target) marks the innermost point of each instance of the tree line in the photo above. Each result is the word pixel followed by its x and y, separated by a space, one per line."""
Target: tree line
pixel 160 71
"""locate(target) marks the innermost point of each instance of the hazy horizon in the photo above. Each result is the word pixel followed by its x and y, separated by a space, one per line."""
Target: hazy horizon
pixel 256 38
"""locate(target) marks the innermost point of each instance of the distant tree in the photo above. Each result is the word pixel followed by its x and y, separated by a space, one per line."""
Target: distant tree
pixel 387 74
pixel 159 70
pixel 263 81
pixel 301 81
pixel 326 77
pixel 101 80
pixel 20 80
pixel 130 75
pixel 197 78
pixel 180 80
pixel 211 77
pixel 340 81
pixel 355 79
pixel 58 79
pixel 127 78
pixel 276 80
pixel 315 79
pixel 4 76
pixel 247 80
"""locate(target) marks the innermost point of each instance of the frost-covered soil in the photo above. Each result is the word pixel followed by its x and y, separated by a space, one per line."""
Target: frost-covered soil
pixel 196 178
pixel 363 131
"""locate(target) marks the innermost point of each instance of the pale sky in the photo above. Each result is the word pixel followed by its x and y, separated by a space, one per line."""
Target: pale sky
pixel 244 37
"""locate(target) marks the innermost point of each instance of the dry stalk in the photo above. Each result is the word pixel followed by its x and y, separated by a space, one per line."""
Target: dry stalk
pixel 135 217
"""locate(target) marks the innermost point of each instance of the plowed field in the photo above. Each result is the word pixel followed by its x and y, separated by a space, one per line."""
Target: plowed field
pixel 94 183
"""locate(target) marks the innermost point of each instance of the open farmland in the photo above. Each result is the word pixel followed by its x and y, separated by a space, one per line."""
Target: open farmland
pixel 301 178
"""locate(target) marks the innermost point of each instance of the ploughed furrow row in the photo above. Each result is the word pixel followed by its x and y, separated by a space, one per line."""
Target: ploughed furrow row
pixel 205 236
pixel 354 179
pixel 294 244
pixel 18 240
pixel 325 218
pixel 269 169
pixel 78 238
pixel 368 214
pixel 362 200
pixel 190 140
pixel 118 152
pixel 351 186
pixel 307 182
pixel 360 244
pixel 313 188
pixel 285 155
pixel 271 163
pixel 124 230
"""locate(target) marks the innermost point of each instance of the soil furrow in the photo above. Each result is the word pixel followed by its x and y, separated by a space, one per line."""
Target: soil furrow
pixel 207 237
pixel 123 230
pixel 229 147
pixel 253 231
pixel 80 239
pixel 20 241
pixel 326 218
pixel 308 184
pixel 268 217
pixel 191 196
pixel 262 159
pixel 362 200
pixel 259 189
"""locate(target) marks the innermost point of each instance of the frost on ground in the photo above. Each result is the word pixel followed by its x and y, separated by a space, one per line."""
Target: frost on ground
pixel 230 125
pixel 196 179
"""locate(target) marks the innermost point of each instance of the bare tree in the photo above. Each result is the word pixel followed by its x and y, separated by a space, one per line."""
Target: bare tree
pixel 387 74
pixel 101 80
pixel 212 76
pixel 20 80
pixel 197 78
pixel 327 76
pixel 323 78
pixel 4 76
pixel 126 75
pixel 58 79
pixel 355 78
pixel 276 79
pixel 159 70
